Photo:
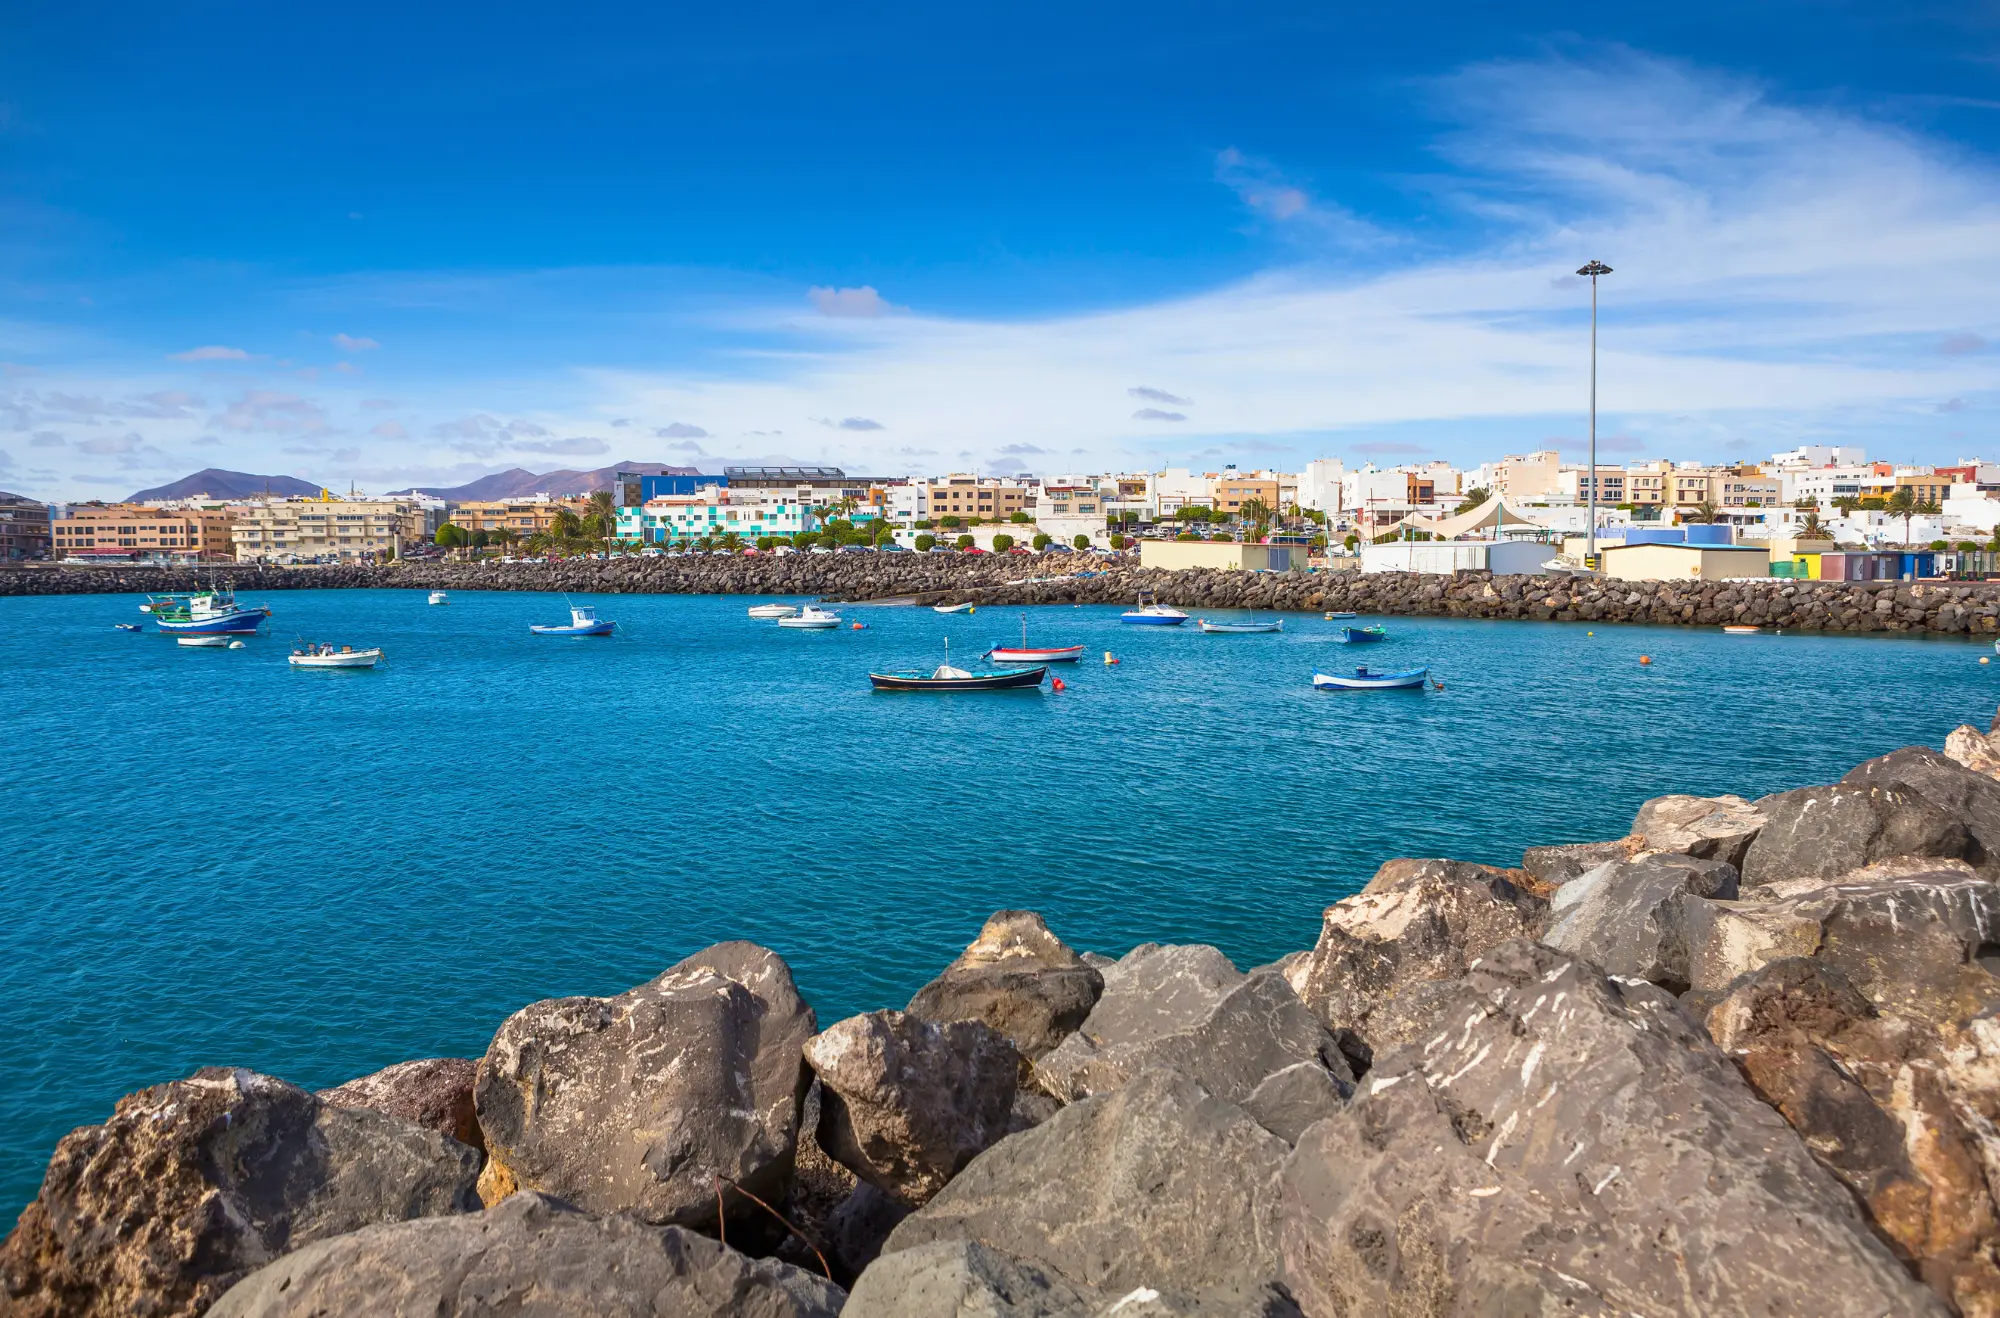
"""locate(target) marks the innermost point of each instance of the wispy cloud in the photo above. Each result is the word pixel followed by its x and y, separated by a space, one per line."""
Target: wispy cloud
pixel 851 423
pixel 681 430
pixel 1156 414
pixel 348 343
pixel 213 352
pixel 863 302
pixel 270 410
pixel 576 446
pixel 1158 396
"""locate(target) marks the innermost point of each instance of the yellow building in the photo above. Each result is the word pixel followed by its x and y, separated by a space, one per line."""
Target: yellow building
pixel 524 517
pixel 973 496
pixel 1182 554
pixel 1672 562
pixel 305 530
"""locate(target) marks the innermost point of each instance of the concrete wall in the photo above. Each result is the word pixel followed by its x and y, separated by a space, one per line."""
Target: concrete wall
pixel 1179 555
pixel 1444 557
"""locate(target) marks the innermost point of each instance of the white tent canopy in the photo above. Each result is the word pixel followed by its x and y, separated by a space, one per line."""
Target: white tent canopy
pixel 1494 514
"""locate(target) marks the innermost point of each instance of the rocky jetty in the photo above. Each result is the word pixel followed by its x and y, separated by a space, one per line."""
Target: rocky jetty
pixel 1743 1059
pixel 1946 608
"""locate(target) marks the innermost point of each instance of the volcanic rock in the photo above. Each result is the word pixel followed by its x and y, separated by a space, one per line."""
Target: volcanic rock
pixel 1419 922
pixel 1569 1143
pixel 905 1103
pixel 638 1103
pixel 1020 979
pixel 1970 797
pixel 435 1093
pixel 527 1255
pixel 1974 749
pixel 1706 827
pixel 1156 1185
pixel 1549 868
pixel 1825 832
pixel 193 1184
pixel 1288 1101
pixel 1627 916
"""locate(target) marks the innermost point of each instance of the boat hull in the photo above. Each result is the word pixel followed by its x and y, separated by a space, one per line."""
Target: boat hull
pixel 1005 654
pixel 1025 678
pixel 809 624
pixel 243 622
pixel 952 608
pixel 593 629
pixel 1239 628
pixel 774 610
pixel 1358 636
pixel 1413 680
pixel 215 641
pixel 1152 619
pixel 353 659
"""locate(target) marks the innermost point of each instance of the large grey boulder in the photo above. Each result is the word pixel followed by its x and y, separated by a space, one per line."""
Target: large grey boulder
pixel 193 1184
pixel 905 1103
pixel 1287 1102
pixel 1020 979
pixel 1568 1143
pixel 965 1279
pixel 1825 832
pixel 435 1092
pixel 1549 868
pixel 529 1255
pixel 1705 827
pixel 1416 922
pixel 1966 795
pixel 638 1103
pixel 1188 1010
pixel 1157 1185
pixel 1628 916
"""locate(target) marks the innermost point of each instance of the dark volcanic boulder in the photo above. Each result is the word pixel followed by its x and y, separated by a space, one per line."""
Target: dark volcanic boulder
pixel 1628 917
pixel 1548 868
pixel 1705 827
pixel 1020 979
pixel 905 1103
pixel 527 1255
pixel 1153 990
pixel 1825 832
pixel 1258 1027
pixel 435 1093
pixel 192 1184
pixel 1419 922
pixel 965 1279
pixel 638 1103
pixel 1568 1143
pixel 1289 1101
pixel 1970 797
pixel 1157 1185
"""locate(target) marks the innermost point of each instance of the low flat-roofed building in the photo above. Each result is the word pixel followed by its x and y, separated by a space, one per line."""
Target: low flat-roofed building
pixel 1223 554
pixel 347 530
pixel 24 528
pixel 1684 562
pixel 140 533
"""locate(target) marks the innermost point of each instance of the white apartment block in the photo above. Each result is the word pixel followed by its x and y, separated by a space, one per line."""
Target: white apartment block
pixel 1821 455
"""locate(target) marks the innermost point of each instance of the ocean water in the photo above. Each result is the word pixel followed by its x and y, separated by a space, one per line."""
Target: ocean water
pixel 214 859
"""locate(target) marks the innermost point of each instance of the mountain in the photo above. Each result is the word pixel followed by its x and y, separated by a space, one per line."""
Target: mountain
pixel 219 484
pixel 518 481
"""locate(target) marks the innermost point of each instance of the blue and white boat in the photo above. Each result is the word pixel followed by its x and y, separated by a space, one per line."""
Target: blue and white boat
pixel 583 621
pixel 211 612
pixel 1363 680
pixel 1150 613
pixel 1360 635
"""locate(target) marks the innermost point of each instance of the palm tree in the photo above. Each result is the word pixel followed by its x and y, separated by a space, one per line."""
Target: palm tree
pixel 1811 527
pixel 1703 512
pixel 1902 503
pixel 1254 510
pixel 1475 496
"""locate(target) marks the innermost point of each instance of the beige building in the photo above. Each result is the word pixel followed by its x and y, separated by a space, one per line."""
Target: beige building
pixel 136 531
pixel 1179 554
pixel 1650 562
pixel 338 529
pixel 524 517
pixel 973 496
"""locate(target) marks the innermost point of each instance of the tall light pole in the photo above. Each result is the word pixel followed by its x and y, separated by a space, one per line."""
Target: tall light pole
pixel 1594 269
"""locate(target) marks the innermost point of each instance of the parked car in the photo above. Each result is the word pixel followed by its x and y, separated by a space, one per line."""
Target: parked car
pixel 819 549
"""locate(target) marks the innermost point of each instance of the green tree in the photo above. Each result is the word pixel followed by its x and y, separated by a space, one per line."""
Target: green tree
pixel 506 537
pixel 1847 503
pixel 1967 547
pixel 965 542
pixel 949 522
pixel 1255 511
pixel 449 536
pixel 924 524
pixel 1475 496
pixel 1002 543
pixel 765 544
pixel 1351 541
pixel 1117 541
pixel 1041 541
pixel 1902 503
pixel 1811 527
pixel 1019 519
pixel 1081 541
pixel 805 540
pixel 480 539
pixel 925 543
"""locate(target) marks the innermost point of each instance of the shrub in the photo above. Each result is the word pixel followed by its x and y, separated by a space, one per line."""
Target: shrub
pixel 965 542
pixel 1187 535
pixel 1351 541
pixel 1967 547
pixel 1002 543
pixel 1117 542
pixel 1082 541
pixel 805 540
pixel 925 524
pixel 1939 545
pixel 925 543
pixel 1041 541
pixel 949 521
pixel 765 544
pixel 1019 519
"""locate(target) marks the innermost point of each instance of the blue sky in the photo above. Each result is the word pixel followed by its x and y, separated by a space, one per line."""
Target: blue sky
pixel 361 244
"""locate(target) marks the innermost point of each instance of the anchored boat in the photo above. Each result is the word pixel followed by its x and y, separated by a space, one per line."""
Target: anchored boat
pixel 211 612
pixel 326 656
pixel 1029 654
pixel 1239 628
pixel 812 618
pixel 583 621
pixel 1360 635
pixel 774 610
pixel 1338 614
pixel 966 607
pixel 215 641
pixel 1363 680
pixel 1151 613
pixel 439 597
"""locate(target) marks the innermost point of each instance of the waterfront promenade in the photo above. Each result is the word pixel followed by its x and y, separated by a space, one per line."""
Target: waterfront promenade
pixel 1942 608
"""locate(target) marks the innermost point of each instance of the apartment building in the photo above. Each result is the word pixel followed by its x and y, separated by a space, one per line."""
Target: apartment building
pixel 142 533
pixel 339 530
pixel 1229 491
pixel 1745 487
pixel 966 496
pixel 523 516
pixel 1646 485
pixel 25 528
pixel 1520 478
pixel 714 511
pixel 1924 486
pixel 1609 483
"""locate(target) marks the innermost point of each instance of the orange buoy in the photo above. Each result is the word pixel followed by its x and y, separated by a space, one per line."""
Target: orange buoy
pixel 1059 685
pixel 861 626
pixel 1645 658
pixel 1108 660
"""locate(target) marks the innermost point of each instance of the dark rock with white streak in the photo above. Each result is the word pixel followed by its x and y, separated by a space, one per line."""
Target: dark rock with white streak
pixel 1705 827
pixel 1629 918
pixel 1018 978
pixel 435 1093
pixel 1825 832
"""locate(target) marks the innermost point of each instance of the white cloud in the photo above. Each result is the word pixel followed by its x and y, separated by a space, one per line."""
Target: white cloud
pixel 349 343
pixel 577 446
pixel 389 430
pixel 1155 414
pixel 863 302
pixel 267 410
pixel 681 430
pixel 1158 396
pixel 213 352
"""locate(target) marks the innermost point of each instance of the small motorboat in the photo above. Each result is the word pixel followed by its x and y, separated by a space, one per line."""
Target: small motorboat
pixel 327 656
pixel 1029 654
pixel 439 597
pixel 1239 628
pixel 1151 613
pixel 1363 680
pixel 966 607
pixel 1742 631
pixel 774 610
pixel 128 626
pixel 583 621
pixel 206 641
pixel 946 678
pixel 1339 614
pixel 812 618
pixel 1360 635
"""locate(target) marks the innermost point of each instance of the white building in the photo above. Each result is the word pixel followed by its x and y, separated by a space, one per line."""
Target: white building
pixel 714 511
pixel 1176 488
pixel 1822 485
pixel 1320 485
pixel 909 503
pixel 1821 455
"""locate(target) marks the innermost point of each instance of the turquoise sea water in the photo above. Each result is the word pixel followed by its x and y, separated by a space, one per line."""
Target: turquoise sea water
pixel 214 859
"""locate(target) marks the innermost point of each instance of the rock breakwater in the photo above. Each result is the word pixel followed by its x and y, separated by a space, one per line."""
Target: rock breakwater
pixel 1942 608
pixel 1743 1059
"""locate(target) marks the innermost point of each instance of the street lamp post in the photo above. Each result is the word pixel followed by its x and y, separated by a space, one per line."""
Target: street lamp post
pixel 1594 269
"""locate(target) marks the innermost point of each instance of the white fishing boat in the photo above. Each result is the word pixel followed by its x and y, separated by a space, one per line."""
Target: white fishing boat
pixel 774 610
pixel 327 656
pixel 207 641
pixel 1240 628
pixel 439 597
pixel 812 618
pixel 1363 680
pixel 966 607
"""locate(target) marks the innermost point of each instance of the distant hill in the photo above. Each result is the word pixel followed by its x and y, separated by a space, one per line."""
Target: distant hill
pixel 519 481
pixel 219 484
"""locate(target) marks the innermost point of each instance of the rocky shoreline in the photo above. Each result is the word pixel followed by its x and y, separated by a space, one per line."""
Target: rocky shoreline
pixel 1940 608
pixel 1744 1059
